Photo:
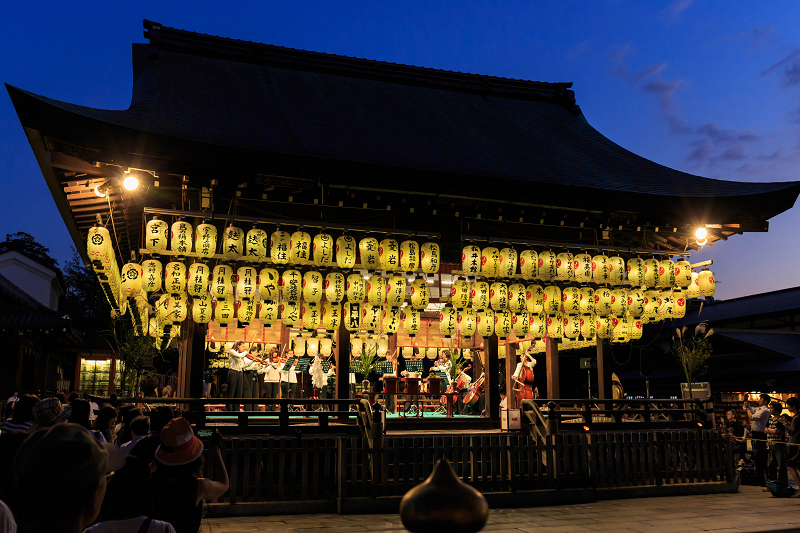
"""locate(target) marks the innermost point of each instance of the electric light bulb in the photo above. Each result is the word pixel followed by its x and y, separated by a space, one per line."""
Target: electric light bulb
pixel 701 234
pixel 130 183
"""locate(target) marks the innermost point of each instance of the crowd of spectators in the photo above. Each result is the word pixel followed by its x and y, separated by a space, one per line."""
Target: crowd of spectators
pixel 70 465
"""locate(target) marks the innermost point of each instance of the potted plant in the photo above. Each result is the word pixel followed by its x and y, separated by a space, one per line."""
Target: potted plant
pixel 365 364
pixel 692 352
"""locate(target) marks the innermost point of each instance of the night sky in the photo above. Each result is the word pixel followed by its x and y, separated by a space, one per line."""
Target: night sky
pixel 710 88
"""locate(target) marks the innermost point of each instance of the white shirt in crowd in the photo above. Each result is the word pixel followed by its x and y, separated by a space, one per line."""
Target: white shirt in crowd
pixel 272 373
pixel 236 360
pixel 93 408
pixel 289 376
pixel 128 446
pixel 760 418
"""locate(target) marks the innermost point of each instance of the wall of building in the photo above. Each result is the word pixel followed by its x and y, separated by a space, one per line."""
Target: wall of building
pixel 37 281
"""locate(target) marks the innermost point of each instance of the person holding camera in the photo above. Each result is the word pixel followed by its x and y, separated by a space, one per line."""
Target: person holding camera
pixel 759 416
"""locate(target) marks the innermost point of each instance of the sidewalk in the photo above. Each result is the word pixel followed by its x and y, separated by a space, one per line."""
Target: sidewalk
pixel 748 510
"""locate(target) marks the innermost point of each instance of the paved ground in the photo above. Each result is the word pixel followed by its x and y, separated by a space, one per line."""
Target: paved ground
pixel 747 510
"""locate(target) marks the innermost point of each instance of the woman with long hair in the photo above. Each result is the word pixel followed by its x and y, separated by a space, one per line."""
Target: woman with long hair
pixel 106 420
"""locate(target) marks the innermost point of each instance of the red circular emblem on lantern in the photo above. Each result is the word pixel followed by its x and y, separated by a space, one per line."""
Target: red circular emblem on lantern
pixel 327 283
pixel 521 261
pixel 613 299
pixel 558 263
pixel 549 321
pixel 303 284
pixel 495 319
pixel 463 257
pixel 660 271
pixel 541 262
pixel 527 295
pixel 473 294
pixel 453 292
pixel 459 319
pixel 564 297
pixel 380 250
pixel 514 320
pixel 484 259
pixel 491 293
pixel 681 302
pixel 630 300
pixel 314 247
pixel 413 292
pixel 594 266
pixel 422 255
pixel 596 298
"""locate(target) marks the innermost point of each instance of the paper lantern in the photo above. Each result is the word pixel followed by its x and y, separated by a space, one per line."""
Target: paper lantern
pixel 291 285
pixel 290 312
pixel 247 284
pixel 683 274
pixel 602 301
pixel 346 252
pixel 232 243
pixel 247 311
pixel 619 302
pixel 396 291
pixel 331 316
pixel 555 326
pixel 498 296
pixel 201 308
pixel 636 271
pixel 552 300
pixel 430 258
pixel 268 312
pixel 520 324
pixel 409 256
pixel 156 236
pixel 619 333
pixel 311 315
pixel 666 303
pixel 411 321
pixel 368 250
pixel 371 317
pixel 131 280
pixel 312 286
pixel 565 268
pixel 152 275
pixel 586 301
pixel 99 248
pixel 490 262
pixel 420 294
pixel 706 283
pixel 334 287
pixel 651 278
pixel 479 295
pixel 534 299
pixel 197 279
pixel 356 346
pixel 538 325
pixel 299 346
pixel 323 248
pixel 603 326
pixel 571 326
pixel 460 293
pixel 547 266
pixel 503 322
pixel 588 326
pixel 391 319
pixel 355 288
pixel 693 290
pixel 485 322
pixel 175 277
pixel 205 241
pixel 141 312
pixel 389 255
pixel 376 289
pixel 351 314
pixel 528 264
pixel 678 304
pixel 312 347
pixel 448 321
pixel 636 300
pixel 471 261
pixel 256 244
pixel 635 327
pixel 221 281
pixel 666 273
pixel 223 309
pixel 600 269
pixel 279 246
pixel 616 270
pixel 467 322
pixel 651 304
pixel 508 262
pixel 300 248
pixel 325 347
pixel 268 282
pixel 516 298
pixel 582 266
pixel 571 300
pixel 181 238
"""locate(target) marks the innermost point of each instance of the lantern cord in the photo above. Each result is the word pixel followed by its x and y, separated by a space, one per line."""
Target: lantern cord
pixel 114 227
pixel 614 357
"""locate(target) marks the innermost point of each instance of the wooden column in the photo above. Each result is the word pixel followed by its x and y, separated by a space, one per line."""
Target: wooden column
pixel 342 356
pixel 492 373
pixel 511 366
pixel 604 390
pixel 192 360
pixel 551 351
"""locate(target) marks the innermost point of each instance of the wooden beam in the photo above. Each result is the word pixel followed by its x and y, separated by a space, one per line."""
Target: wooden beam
pixel 604 369
pixel 492 373
pixel 341 354
pixel 553 381
pixel 511 366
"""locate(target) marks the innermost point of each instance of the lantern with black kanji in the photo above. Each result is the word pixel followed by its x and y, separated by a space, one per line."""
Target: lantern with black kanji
pixel 666 274
pixel 683 274
pixel 666 303
pixel 205 240
pixel 409 256
pixel 547 266
pixel 430 258
pixel 290 312
pixel 600 269
pixel 479 295
pixel 246 285
pixel 498 296
pixel 651 304
pixel 420 294
pixel 520 324
pixel 156 236
pixel 587 301
pixel 368 250
pixel 485 322
pixel 279 246
pixel 503 323
pixel 582 265
pixel 448 321
pixel 555 326
pixel 396 291
pixel 552 300
pixel 268 312
pixel 636 271
pixel 636 299
pixel 389 255
pixel 197 282
pixel 334 287
pixel 181 238
pixel 619 332
pixel 346 252
pixel 460 293
pixel 528 264
pixel 603 326
pixel 588 326
pixel 256 245
pixel 616 270
pixel 534 299
pixel 323 250
pixel 471 261
pixel 152 275
pixel 391 319
pixel 706 283
pixel 678 304
pixel 376 289
pixel 602 301
pixel 291 285
pixel 247 311
pixel 233 243
pixel 467 322
pixel 411 321
pixel 693 290
pixel 371 317
pixel 268 281
pixel 223 309
pixel 351 314
pixel 571 326
pixel 131 280
pixel 565 268
pixel 312 286
pixel 98 247
pixel 490 262
pixel 619 302
pixel 537 325
pixel 356 288
pixel 651 278
pixel 311 315
pixel 635 327
pixel 201 308
pixel 175 277
pixel 300 248
pixel 571 300
pixel 331 316
pixel 221 281
pixel 508 262
pixel 516 297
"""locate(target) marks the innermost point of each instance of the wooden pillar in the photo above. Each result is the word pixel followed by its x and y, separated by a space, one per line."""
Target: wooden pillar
pixel 511 366
pixel 551 351
pixel 192 360
pixel 342 356
pixel 604 390
pixel 492 372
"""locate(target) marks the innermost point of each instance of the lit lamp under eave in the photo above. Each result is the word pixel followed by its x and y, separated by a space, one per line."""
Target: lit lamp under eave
pixel 98 247
pixel 201 308
pixel 205 241
pixel 389 255
pixel 156 236
pixel 537 327
pixel 490 262
pixel 552 300
pixel 582 265
pixel 571 326
pixel 131 280
pixel 603 326
pixel 279 246
pixel 467 322
pixel 555 326
pixel 268 312
pixel 221 281
pixel 520 324
pixel 346 252
pixel 516 298
pixel 546 270
pixel 534 299
pixel 636 300
pixel 371 317
pixel 508 262
pixel 223 310
pixel 331 316
pixel 391 319
pixel 635 327
pixel 312 286
pixel 351 314
pixel 368 252
pixel 706 283
pixel 588 327
pixel 256 245
pixel 571 300
pixel 420 294
pixel 602 302
pixel 355 288
pixel 290 313
pixel 411 321
pixel 311 315
pixel 666 274
pixel 181 238
pixel 693 290
pixel 587 301
pixel 175 277
pixel 616 270
pixel 376 289
pixel 636 272
pixel 409 257
pixel 247 283
pixel 197 281
pixel 334 287
pixel 619 302
pixel 528 264
pixel 152 275
pixel 268 282
pixel 448 321
pixel 679 304
pixel 246 312
pixel 291 285
pixel 601 272
pixel 430 258
pixel 323 248
pixel 484 322
pixel 471 261
pixel 396 291
pixel 503 323
pixel 233 243
pixel 498 296
pixel 651 277
pixel 300 248
pixel 479 295
pixel 565 267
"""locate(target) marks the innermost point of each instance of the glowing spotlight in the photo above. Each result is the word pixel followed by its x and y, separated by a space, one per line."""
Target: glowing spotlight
pixel 130 183
pixel 701 234
pixel 586 428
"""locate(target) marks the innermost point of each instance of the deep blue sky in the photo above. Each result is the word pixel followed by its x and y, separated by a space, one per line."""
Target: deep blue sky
pixel 705 87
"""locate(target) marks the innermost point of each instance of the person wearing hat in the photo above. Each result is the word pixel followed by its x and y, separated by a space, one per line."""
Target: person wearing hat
pixel 52 460
pixel 49 412
pixel 178 486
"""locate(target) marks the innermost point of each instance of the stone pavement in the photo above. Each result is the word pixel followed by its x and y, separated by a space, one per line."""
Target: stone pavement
pixel 747 510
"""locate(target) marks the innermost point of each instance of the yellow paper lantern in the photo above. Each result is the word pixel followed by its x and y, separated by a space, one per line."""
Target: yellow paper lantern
pixel 534 299
pixel 619 302
pixel 197 281
pixel 651 304
pixel 460 293
pixel 498 296
pixel 291 285
pixel 635 327
pixel 312 286
pixel 325 347
pixel 547 270
pixel 247 311
pixel 351 314
pixel 152 275
pixel 290 312
pixel 323 248
pixel 619 332
pixel 131 282
pixel 528 264
pixel 683 274
pixel 706 283
pixel 520 324
pixel 299 346
pixel 636 271
pixel 201 308
pixel 503 323
pixel 603 326
pixel 247 282
pixel 391 319
pixel 205 241
pixel 221 281
pixel 356 288
pixel 279 247
pixel 582 264
pixel 565 267
pixel 538 325
pixel 256 245
pixel 485 322
pixel 636 300
pixel 346 252
pixel 490 262
pixel 571 326
pixel 268 312
pixel 666 303
pixel 448 321
pixel 300 248
pixel 409 256
pixel 223 309
pixel 396 291
pixel 331 316
pixel 479 295
pixel 430 258
pixel 412 320
pixel 420 294
pixel 508 262
pixel 555 326
pixel 471 261
pixel 552 300
pixel 311 315
pixel 268 281
pixel 175 277
pixel 601 272
pixel 232 243
pixel 99 248
pixel 678 304
pixel 389 255
pixel 467 322
pixel 334 287
pixel 602 301
pixel 651 278
pixel 156 236
pixel 666 273
pixel 356 346
pixel 141 311
pixel 370 257
pixel 376 289
pixel 571 300
pixel 181 238
pixel 586 301
pixel 371 317
pixel 693 290
pixel 616 270
pixel 517 298
pixel 312 347
pixel 588 326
